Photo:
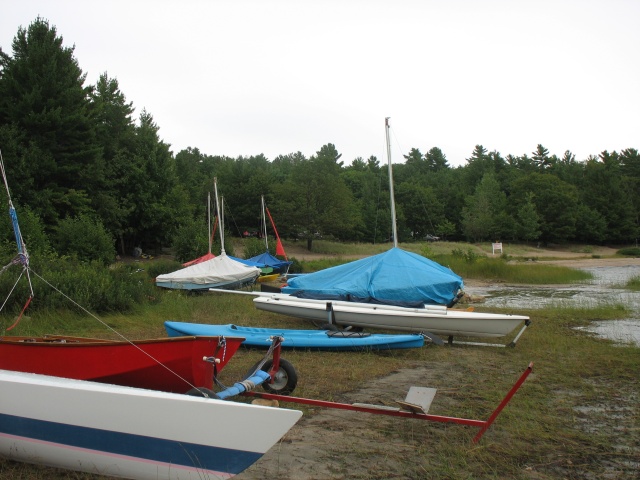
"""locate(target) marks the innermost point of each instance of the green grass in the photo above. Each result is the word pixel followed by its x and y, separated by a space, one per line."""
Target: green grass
pixel 576 416
pixel 497 270
pixel 544 428
pixel 633 284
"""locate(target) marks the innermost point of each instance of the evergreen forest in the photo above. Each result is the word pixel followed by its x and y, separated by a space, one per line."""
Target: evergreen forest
pixel 87 177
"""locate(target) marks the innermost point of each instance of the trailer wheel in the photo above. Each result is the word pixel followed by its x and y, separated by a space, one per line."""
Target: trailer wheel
pixel 284 380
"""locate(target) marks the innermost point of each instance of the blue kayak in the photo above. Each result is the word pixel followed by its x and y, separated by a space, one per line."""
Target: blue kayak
pixel 334 340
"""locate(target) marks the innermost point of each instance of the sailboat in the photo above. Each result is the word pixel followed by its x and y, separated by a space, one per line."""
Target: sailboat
pixel 395 290
pixel 278 265
pixel 116 430
pixel 208 255
pixel 218 272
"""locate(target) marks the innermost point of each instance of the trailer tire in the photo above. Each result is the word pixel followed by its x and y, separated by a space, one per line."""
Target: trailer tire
pixel 285 379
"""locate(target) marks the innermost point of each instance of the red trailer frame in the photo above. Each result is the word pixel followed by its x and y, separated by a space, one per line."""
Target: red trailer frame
pixel 483 425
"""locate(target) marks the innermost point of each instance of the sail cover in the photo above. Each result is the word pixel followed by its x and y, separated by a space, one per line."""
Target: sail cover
pixel 204 258
pixel 274 262
pixel 219 272
pixel 395 277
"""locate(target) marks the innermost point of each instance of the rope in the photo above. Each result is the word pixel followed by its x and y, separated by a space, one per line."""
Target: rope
pixel 248 385
pixel 114 330
pixel 20 316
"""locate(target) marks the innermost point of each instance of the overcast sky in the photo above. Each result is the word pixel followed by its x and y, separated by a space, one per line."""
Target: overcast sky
pixel 275 77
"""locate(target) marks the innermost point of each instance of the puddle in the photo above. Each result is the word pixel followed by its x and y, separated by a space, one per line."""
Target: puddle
pixel 603 289
pixel 623 331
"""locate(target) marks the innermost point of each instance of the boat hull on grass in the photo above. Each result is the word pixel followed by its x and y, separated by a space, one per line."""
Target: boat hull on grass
pixel 219 272
pixel 300 339
pixel 132 433
pixel 165 364
pixel 437 320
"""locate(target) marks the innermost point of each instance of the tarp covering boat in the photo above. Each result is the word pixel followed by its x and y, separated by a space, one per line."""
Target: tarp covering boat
pixel 274 262
pixel 203 258
pixel 395 277
pixel 219 272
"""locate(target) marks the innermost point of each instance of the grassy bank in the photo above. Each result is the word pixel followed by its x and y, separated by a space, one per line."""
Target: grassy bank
pixel 575 417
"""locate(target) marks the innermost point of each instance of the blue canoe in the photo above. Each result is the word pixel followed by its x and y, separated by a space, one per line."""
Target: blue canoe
pixel 302 339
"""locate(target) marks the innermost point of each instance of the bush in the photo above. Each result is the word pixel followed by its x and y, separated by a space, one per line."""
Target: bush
pixel 160 267
pixel 86 239
pixel 630 252
pixel 296 266
pixel 32 232
pixel 469 256
pixel 254 246
pixel 66 283
pixel 190 241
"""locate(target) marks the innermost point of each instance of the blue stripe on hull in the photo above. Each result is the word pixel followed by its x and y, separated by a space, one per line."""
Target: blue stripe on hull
pixel 142 447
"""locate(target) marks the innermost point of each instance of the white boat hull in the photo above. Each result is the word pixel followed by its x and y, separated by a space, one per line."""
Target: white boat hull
pixel 132 433
pixel 437 320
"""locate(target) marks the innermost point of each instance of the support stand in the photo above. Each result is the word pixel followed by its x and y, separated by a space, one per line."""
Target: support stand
pixel 415 406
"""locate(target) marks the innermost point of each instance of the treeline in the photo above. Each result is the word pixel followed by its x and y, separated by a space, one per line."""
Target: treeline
pixel 90 178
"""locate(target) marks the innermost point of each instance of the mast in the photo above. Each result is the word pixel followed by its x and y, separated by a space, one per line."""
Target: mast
pixel 209 219
pixel 220 220
pixel 393 202
pixel 264 226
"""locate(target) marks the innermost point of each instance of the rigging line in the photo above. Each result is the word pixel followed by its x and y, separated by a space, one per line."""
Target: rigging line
pixel 23 255
pixel 4 176
pixel 375 225
pixel 112 329
pixel 228 210
pixel 14 287
pixel 428 216
pixel 397 142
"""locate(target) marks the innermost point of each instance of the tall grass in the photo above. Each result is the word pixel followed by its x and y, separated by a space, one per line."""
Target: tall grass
pixel 633 284
pixel 498 270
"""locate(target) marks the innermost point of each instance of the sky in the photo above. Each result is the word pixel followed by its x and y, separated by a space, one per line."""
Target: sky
pixel 275 77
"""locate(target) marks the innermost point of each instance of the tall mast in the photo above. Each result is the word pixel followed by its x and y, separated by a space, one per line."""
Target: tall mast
pixel 264 226
pixel 393 202
pixel 209 218
pixel 220 220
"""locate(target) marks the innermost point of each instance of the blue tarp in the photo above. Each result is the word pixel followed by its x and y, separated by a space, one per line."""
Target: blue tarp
pixel 249 261
pixel 395 277
pixel 271 261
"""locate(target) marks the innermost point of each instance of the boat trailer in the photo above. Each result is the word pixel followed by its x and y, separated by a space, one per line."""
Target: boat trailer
pixel 416 404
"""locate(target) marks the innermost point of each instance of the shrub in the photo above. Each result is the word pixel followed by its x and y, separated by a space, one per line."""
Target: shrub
pixel 160 267
pixel 470 256
pixel 68 284
pixel 630 252
pixel 84 238
pixel 254 246
pixel 32 232
pixel 190 241
pixel 296 266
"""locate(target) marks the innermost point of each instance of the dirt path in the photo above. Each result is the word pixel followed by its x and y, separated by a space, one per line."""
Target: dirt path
pixel 340 444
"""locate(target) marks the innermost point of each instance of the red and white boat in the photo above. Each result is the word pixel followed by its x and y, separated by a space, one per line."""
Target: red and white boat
pixel 163 364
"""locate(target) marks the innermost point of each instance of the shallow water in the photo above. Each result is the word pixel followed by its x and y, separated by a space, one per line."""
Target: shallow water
pixel 603 289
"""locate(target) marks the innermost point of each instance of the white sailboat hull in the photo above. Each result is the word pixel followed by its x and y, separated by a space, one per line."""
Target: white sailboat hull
pixel 130 432
pixel 436 319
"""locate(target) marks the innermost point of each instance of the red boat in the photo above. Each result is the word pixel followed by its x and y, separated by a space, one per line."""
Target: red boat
pixel 165 364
